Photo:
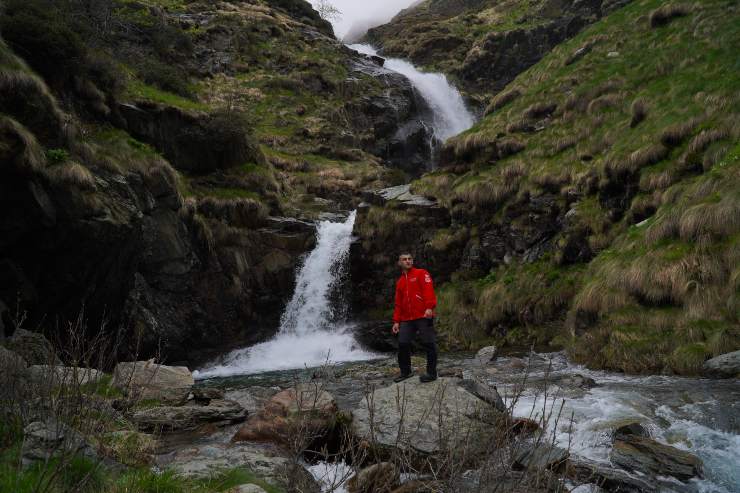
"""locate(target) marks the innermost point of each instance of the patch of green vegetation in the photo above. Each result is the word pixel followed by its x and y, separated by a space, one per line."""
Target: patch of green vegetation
pixel 139 90
pixel 103 387
pixel 57 156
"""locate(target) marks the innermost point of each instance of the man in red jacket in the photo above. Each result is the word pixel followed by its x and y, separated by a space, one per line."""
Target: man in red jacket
pixel 414 312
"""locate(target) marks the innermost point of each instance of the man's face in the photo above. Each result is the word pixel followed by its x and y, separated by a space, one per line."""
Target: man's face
pixel 405 261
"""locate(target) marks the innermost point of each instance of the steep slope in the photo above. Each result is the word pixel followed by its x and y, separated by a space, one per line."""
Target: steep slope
pixel 596 205
pixel 151 149
pixel 484 44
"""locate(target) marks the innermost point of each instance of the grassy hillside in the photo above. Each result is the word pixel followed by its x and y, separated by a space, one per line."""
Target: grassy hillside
pixel 269 70
pixel 484 44
pixel 630 133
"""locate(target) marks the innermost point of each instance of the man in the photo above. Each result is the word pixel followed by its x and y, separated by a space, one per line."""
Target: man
pixel 414 313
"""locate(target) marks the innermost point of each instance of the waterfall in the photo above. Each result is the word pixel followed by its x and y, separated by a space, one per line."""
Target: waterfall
pixel 450 115
pixel 312 328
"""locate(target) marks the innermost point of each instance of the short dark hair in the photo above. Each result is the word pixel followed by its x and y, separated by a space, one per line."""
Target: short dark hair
pixel 405 254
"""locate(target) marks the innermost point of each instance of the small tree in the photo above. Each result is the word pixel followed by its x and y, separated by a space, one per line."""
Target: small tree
pixel 328 11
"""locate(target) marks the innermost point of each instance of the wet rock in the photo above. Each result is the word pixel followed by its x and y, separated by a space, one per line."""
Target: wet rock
pixel 418 417
pixel 378 478
pixel 252 399
pixel 188 417
pixel 576 381
pixel 486 393
pixel 33 347
pixel 306 407
pixel 150 381
pixel 43 440
pixel 206 394
pixel 266 462
pixel 630 429
pixel 608 478
pixel 486 355
pixel 645 455
pixel 540 457
pixel 723 366
pixel 64 375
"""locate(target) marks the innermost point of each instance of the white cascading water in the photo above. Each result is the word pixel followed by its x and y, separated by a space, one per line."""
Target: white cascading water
pixel 311 333
pixel 450 115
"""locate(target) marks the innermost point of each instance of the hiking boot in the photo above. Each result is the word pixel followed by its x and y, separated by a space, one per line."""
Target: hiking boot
pixel 427 378
pixel 402 377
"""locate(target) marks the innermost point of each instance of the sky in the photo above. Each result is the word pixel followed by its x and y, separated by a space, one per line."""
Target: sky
pixel 362 10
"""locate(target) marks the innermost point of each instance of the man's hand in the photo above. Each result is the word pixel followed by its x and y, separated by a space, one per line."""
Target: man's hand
pixel 428 313
pixel 395 328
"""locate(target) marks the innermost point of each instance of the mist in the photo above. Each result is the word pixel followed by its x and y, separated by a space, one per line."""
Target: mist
pixel 360 15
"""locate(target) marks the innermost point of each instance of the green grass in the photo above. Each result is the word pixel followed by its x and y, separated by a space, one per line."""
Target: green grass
pixel 139 90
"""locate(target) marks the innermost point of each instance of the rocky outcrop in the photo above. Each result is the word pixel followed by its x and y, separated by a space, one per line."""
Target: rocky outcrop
pixel 645 455
pixel 305 412
pixel 146 380
pixel 723 366
pixel 217 412
pixel 33 348
pixel 420 418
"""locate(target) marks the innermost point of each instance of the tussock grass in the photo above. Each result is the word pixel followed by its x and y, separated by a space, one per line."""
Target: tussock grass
pixel 19 148
pixel 674 135
pixel 539 110
pixel 665 14
pixel 509 147
pixel 602 103
pixel 238 212
pixel 639 111
pixel 502 99
pixel 71 174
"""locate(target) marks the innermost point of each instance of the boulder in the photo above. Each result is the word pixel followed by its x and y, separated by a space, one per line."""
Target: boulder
pixel 11 363
pixel 252 399
pixel 207 394
pixel 723 366
pixel 420 417
pixel 378 478
pixel 485 392
pixel 33 347
pixel 609 478
pixel 485 355
pixel 576 381
pixel 43 440
pixel 306 408
pixel 539 457
pixel 633 428
pixel 146 380
pixel 266 462
pixel 189 417
pixel 636 453
pixel 64 375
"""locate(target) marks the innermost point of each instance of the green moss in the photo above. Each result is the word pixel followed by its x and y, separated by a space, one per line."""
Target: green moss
pixel 139 90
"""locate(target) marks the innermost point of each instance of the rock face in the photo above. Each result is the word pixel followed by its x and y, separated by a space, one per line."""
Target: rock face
pixel 608 478
pixel 540 457
pixel 416 417
pixel 636 453
pixel 723 366
pixel 146 380
pixel 188 417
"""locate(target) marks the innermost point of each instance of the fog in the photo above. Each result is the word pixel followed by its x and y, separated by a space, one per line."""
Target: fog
pixel 359 15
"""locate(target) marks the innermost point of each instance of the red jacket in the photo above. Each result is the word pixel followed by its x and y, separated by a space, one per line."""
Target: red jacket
pixel 414 295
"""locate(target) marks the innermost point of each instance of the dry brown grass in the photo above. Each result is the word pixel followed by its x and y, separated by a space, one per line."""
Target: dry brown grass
pixel 639 111
pixel 508 147
pixel 665 14
pixel 552 182
pixel 520 126
pixel 501 100
pixel 674 135
pixel 647 156
pixel 513 170
pixel 602 103
pixel 658 181
pixel 19 148
pixel 288 164
pixel 469 144
pixel 486 194
pixel 539 110
pixel 240 212
pixel 705 139
pixel 720 219
pixel 71 174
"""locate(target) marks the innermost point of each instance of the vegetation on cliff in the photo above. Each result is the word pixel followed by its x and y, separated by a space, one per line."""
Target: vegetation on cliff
pixel 600 194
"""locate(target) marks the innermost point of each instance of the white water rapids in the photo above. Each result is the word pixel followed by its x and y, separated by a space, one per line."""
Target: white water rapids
pixel 450 115
pixel 311 332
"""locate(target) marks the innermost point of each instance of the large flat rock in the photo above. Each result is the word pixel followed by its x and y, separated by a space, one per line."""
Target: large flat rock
pixel 426 418
pixel 723 366
pixel 147 380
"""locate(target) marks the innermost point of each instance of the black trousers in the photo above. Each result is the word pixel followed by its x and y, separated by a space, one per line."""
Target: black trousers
pixel 428 337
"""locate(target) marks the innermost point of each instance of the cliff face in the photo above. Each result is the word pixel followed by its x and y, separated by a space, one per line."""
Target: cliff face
pixel 591 206
pixel 151 152
pixel 483 44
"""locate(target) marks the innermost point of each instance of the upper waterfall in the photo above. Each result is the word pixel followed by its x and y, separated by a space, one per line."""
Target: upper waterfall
pixel 312 328
pixel 450 115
